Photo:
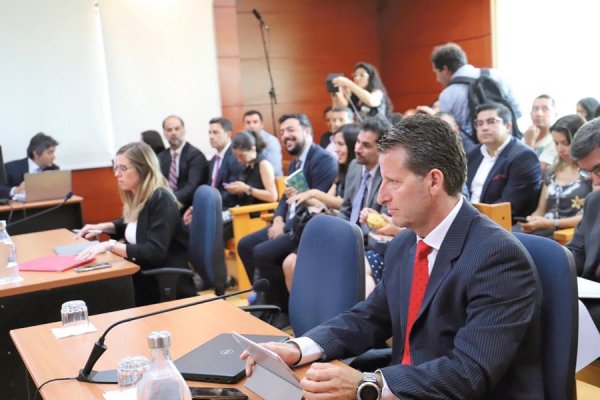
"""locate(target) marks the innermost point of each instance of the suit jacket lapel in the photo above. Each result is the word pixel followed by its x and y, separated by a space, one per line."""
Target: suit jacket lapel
pixel 372 200
pixel 449 251
pixel 499 163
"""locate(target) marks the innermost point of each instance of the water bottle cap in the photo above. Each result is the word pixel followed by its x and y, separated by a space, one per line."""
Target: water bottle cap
pixel 159 339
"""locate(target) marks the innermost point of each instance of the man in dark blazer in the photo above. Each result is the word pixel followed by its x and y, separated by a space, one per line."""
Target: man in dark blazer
pixel 219 134
pixel 502 168
pixel 266 249
pixel 190 168
pixel 585 246
pixel 470 301
pixel 366 161
pixel 40 157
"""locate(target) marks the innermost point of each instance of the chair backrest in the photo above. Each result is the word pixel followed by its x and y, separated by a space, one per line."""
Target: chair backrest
pixel 173 283
pixel 280 184
pixel 330 272
pixel 560 316
pixel 206 249
pixel 500 213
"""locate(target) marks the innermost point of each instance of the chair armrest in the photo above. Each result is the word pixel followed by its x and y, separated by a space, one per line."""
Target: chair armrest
pixel 500 213
pixel 564 236
pixel 253 208
pixel 166 271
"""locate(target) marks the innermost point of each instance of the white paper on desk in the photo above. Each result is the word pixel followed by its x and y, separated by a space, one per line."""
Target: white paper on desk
pixel 588 348
pixel 588 289
pixel 128 394
pixel 61 333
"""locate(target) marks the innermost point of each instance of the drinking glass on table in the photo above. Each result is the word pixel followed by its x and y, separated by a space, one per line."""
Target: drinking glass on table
pixel 130 370
pixel 74 313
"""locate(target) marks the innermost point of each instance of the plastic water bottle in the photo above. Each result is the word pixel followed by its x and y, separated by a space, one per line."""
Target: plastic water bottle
pixel 162 381
pixel 10 272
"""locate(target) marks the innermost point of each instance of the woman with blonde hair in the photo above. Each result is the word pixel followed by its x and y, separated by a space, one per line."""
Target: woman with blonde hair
pixel 150 231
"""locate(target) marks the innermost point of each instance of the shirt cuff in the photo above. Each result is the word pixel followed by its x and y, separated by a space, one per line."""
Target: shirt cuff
pixel 311 351
pixel 12 191
pixel 386 393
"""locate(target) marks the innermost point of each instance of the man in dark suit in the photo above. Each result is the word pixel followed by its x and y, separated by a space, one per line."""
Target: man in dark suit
pixel 40 157
pixel 364 177
pixel 184 166
pixel 228 167
pixel 502 168
pixel 266 249
pixel 459 295
pixel 585 246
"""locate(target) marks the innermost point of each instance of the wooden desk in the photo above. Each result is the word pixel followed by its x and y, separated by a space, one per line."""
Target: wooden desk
pixel 68 216
pixel 37 299
pixel 47 357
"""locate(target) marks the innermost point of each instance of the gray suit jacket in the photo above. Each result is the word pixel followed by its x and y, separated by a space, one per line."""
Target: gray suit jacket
pixel 585 245
pixel 353 177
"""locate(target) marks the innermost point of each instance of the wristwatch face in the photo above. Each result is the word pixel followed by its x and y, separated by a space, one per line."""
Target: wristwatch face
pixel 368 391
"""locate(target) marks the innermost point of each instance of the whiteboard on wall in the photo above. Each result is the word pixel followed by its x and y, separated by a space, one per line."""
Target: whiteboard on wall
pixel 94 74
pixel 548 47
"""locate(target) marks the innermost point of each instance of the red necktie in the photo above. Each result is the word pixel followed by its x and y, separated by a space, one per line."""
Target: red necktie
pixel 417 292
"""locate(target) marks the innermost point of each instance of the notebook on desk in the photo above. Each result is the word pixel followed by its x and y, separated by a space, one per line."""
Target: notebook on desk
pixel 218 360
pixel 47 185
pixel 53 263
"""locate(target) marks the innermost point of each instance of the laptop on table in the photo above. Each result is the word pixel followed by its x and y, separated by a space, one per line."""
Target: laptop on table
pixel 47 185
pixel 218 360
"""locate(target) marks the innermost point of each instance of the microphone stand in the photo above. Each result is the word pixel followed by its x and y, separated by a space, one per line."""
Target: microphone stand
pixel 272 95
pixel 87 374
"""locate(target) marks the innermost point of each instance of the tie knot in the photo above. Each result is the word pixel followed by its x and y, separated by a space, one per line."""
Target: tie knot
pixel 423 249
pixel 366 175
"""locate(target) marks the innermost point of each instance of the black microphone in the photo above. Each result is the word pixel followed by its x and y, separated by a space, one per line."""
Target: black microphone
pixel 67 197
pixel 88 375
pixel 259 18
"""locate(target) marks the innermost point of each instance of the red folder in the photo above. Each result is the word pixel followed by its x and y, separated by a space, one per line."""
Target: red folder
pixel 53 263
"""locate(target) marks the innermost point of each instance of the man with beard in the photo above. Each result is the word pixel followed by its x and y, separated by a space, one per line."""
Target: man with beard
pixel 265 250
pixel 184 166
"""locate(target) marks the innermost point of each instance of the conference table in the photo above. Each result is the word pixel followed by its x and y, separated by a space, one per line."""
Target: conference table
pixel 47 357
pixel 38 298
pixel 67 216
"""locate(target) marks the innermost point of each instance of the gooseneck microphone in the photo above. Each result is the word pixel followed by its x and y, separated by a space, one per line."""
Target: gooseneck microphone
pixel 259 18
pixel 88 375
pixel 67 197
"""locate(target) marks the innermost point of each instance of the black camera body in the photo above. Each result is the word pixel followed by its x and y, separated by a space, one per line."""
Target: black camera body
pixel 329 82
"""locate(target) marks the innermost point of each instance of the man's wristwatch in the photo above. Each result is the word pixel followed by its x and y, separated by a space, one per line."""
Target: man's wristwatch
pixel 368 388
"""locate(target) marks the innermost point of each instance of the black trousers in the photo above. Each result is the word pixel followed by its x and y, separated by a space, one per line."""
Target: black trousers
pixel 263 256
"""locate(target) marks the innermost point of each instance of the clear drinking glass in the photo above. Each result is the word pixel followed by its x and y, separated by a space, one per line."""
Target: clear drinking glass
pixel 74 313
pixel 130 371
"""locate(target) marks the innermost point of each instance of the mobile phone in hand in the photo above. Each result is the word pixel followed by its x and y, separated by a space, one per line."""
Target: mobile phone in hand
pixel 520 219
pixel 203 393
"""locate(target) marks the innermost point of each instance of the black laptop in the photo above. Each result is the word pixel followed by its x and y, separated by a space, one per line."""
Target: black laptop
pixel 218 360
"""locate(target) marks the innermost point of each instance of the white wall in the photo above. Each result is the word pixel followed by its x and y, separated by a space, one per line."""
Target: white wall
pixel 95 77
pixel 548 47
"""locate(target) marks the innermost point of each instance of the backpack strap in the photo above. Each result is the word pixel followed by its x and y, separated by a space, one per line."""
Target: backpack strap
pixel 462 80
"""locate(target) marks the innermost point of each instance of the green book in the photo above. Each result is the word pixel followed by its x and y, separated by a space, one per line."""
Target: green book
pixel 297 181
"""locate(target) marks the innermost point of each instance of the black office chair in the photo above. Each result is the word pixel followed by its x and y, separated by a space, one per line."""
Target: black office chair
pixel 330 272
pixel 206 251
pixel 173 283
pixel 560 314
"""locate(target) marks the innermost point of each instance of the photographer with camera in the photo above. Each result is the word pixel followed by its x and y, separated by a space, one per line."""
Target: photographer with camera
pixel 366 94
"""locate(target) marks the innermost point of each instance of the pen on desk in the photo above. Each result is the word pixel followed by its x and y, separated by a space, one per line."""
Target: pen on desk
pixel 96 231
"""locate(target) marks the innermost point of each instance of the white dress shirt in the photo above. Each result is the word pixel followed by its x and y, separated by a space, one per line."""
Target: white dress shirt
pixel 484 170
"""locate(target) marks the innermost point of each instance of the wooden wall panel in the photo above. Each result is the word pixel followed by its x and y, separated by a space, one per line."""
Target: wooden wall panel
pixel 308 39
pixel 98 187
pixel 409 31
pixel 228 60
